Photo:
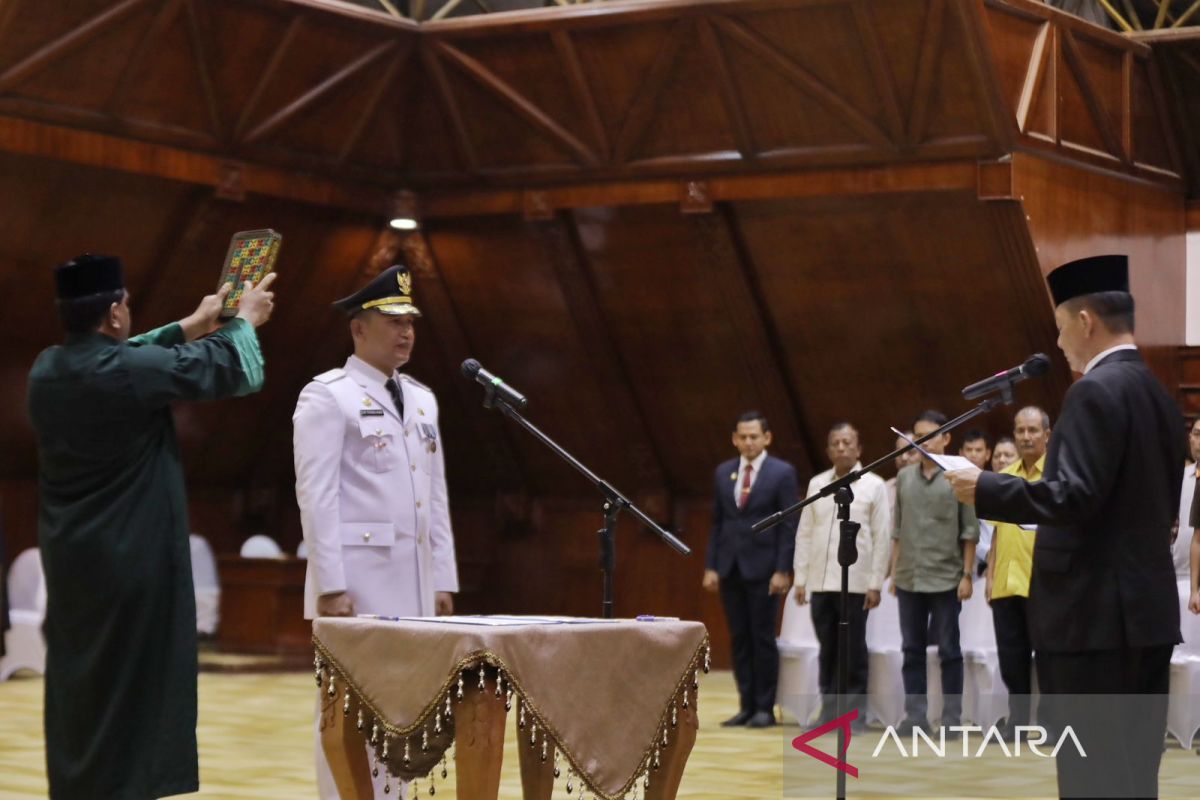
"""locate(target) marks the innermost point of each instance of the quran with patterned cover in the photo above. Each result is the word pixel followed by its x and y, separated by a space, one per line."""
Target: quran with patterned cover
pixel 251 257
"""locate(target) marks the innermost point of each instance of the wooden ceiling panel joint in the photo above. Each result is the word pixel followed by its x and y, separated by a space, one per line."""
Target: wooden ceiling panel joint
pixel 881 71
pixel 200 51
pixel 930 53
pixel 1091 98
pixel 165 16
pixel 995 179
pixel 585 100
pixel 76 38
pixel 268 74
pixel 463 146
pixel 322 89
pixel 518 102
pixel 695 197
pixel 1035 77
pixel 644 105
pixel 735 110
pixel 807 82
pixel 382 83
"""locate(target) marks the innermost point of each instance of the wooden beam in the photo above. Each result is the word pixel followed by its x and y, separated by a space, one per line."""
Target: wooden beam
pixel 320 90
pixel 160 161
pixel 79 36
pixel 441 316
pixel 565 253
pixel 582 90
pixel 730 269
pixel 735 110
pixel 805 81
pixel 522 105
pixel 1091 98
pixel 921 177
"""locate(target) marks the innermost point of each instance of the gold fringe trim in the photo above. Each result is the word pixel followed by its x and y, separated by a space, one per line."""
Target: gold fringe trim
pixel 477 658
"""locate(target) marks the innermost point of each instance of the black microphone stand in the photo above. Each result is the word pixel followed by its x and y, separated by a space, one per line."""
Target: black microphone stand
pixel 614 501
pixel 848 547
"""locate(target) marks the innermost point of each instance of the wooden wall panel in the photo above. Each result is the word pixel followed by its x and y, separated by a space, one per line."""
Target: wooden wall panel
pixel 868 292
pixel 1076 212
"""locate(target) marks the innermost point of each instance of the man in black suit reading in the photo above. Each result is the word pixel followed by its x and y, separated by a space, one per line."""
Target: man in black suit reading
pixel 751 570
pixel 1103 610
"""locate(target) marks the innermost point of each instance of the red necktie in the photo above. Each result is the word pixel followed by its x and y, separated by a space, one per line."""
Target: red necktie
pixel 744 496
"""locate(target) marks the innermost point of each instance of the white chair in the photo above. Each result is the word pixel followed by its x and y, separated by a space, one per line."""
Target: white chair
pixel 260 546
pixel 206 584
pixel 885 684
pixel 798 691
pixel 25 648
pixel 1183 710
pixel 985 697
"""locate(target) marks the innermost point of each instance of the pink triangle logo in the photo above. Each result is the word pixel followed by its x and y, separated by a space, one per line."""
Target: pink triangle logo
pixel 800 743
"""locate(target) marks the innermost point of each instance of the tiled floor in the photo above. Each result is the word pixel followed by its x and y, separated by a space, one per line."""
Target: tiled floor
pixel 256 742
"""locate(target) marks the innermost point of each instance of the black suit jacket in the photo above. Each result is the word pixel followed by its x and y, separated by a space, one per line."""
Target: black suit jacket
pixel 731 541
pixel 1102 571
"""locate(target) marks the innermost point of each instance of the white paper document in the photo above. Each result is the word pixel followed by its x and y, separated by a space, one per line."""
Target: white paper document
pixel 490 621
pixel 948 463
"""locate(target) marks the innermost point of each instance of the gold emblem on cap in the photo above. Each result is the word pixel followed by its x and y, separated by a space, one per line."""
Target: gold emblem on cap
pixel 404 281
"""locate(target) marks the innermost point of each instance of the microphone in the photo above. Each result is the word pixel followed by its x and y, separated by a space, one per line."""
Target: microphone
pixel 474 370
pixel 1036 365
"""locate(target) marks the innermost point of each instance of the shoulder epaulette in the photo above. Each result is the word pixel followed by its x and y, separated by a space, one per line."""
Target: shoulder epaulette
pixel 415 382
pixel 331 376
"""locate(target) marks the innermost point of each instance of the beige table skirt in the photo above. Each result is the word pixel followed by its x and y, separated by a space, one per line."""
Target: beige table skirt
pixel 603 695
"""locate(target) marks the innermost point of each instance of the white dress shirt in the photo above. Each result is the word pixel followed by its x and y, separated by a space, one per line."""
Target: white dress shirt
pixel 818 535
pixel 1181 552
pixel 1097 358
pixel 756 465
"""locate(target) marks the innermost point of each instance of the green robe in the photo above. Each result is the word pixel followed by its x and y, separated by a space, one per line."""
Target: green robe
pixel 120 626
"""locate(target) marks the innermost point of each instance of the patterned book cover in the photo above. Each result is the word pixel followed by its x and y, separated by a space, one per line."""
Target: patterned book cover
pixel 251 257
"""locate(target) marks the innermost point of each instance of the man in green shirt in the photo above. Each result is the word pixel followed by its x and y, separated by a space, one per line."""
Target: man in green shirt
pixel 933 557
pixel 120 627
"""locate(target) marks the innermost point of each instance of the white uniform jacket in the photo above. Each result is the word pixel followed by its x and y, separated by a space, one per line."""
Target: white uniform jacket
pixel 372 493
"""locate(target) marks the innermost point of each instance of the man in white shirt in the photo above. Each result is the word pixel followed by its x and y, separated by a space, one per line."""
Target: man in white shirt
pixel 818 577
pixel 1181 550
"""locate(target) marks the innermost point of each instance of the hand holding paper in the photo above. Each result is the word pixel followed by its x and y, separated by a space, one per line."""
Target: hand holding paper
pixel 962 474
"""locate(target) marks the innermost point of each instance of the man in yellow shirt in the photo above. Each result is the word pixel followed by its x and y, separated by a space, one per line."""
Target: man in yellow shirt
pixel 1010 562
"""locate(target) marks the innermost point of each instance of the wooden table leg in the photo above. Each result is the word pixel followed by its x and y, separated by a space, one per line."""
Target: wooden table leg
pixel 346 751
pixel 479 741
pixel 537 777
pixel 664 782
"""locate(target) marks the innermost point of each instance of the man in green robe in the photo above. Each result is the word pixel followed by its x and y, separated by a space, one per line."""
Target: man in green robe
pixel 120 625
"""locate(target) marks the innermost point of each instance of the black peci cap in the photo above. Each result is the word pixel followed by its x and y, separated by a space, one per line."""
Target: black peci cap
pixel 389 293
pixel 1089 276
pixel 87 275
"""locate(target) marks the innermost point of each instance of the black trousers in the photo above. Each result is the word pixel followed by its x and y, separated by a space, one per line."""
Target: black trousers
pixel 1122 732
pixel 751 614
pixel 924 615
pixel 826 612
pixel 1015 653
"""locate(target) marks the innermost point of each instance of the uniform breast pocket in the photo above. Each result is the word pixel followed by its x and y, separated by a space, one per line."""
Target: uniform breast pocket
pixel 378 445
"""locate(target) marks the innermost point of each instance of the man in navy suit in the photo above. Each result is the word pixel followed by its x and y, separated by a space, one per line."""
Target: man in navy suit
pixel 751 570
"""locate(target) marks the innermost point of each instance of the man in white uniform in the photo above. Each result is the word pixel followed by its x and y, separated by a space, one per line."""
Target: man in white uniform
pixel 370 477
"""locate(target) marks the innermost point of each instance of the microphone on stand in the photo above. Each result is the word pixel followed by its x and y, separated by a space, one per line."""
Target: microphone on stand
pixel 1036 365
pixel 495 386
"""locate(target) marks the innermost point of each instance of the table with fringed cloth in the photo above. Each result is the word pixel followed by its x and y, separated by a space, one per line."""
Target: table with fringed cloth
pixel 605 708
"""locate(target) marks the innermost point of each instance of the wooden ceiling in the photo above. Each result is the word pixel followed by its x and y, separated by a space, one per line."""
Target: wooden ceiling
pixel 648 216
